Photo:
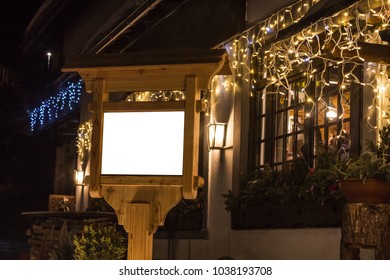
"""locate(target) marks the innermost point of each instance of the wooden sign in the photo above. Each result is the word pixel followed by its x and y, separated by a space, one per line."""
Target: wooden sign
pixel 144 156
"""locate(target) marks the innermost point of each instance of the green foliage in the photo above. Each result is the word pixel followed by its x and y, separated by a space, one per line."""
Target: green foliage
pixel 383 149
pixel 369 165
pixel 296 182
pixel 321 185
pixel 99 241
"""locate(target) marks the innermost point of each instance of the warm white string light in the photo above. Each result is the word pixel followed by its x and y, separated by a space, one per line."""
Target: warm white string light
pixel 84 139
pixel 333 40
pixel 161 95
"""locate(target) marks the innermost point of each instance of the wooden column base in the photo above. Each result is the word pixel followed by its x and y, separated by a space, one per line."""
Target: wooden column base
pixel 141 210
pixel 140 240
pixel 365 225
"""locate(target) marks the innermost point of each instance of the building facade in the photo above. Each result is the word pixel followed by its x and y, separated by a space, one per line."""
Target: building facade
pixel 303 81
pixel 306 77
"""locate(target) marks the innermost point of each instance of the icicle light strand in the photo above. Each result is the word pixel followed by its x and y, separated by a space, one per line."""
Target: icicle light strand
pixel 333 40
pixel 51 108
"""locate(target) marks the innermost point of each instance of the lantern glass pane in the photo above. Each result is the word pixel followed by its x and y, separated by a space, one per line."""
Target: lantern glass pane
pixel 220 135
pixel 78 177
pixel 211 129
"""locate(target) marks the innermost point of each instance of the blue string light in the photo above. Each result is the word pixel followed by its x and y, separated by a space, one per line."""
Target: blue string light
pixel 50 109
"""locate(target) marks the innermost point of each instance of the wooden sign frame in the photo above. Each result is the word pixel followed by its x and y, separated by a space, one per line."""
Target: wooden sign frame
pixel 189 180
pixel 142 202
pixel 187 71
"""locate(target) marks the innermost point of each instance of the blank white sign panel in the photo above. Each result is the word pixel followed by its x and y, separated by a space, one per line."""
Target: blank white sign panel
pixel 143 143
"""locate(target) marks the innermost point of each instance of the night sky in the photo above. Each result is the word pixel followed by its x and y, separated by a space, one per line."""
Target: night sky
pixel 14 18
pixel 23 159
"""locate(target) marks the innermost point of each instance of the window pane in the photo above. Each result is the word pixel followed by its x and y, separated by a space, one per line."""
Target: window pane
pixel 279 151
pixel 280 123
pixel 332 139
pixel 345 104
pixel 289 148
pixel 301 96
pixel 301 118
pixel 290 127
pixel 333 78
pixel 332 111
pixel 318 140
pixel 261 154
pixel 262 129
pixel 300 142
pixel 281 100
pixel 291 98
pixel 344 144
pixel 321 111
pixel 260 104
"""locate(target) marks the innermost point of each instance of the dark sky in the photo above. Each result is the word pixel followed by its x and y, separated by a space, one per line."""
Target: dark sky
pixel 19 186
pixel 14 18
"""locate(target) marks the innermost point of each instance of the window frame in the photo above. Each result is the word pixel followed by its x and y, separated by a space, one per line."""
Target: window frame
pixel 259 161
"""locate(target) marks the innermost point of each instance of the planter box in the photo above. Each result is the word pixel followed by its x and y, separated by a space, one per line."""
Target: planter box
pixel 297 215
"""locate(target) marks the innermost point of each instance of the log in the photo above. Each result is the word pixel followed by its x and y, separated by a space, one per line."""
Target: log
pixel 365 225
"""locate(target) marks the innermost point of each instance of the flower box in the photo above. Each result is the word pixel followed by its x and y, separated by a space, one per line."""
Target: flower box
pixel 295 215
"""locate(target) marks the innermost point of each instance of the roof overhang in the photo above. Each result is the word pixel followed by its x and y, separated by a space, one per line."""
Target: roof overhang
pixel 150 71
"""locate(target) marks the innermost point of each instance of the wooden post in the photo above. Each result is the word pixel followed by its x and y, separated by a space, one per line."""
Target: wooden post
pixel 365 225
pixel 99 96
pixel 191 139
pixel 141 210
pixel 140 238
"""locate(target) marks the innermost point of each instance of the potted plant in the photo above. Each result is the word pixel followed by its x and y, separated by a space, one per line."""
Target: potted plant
pixel 367 178
pixel 295 196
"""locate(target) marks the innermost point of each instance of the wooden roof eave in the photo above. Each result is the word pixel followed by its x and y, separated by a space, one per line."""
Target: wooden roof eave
pixel 158 71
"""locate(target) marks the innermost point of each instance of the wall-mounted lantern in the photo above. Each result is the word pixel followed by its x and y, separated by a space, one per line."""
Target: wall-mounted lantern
pixel 216 135
pixel 78 177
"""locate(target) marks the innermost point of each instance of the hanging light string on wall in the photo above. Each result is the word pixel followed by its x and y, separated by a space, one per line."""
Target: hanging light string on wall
pixel 50 109
pixel 332 41
pixel 380 104
pixel 84 146
pixel 84 139
pixel 160 95
pixel 248 45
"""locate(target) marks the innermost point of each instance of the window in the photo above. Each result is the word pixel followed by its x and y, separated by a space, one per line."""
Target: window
pixel 332 114
pixel 288 127
pixel 289 123
pixel 260 128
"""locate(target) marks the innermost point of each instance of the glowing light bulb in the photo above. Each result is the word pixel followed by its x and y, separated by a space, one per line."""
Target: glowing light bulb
pixel 331 114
